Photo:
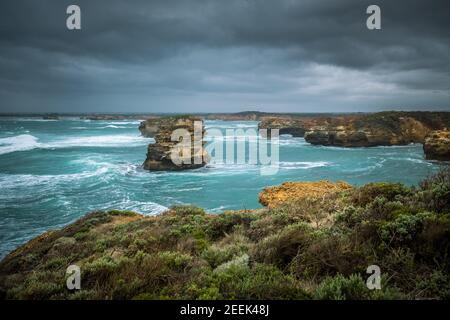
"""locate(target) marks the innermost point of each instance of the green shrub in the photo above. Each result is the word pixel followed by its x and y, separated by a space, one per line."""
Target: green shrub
pixel 280 248
pixel 99 270
pixel 239 281
pixel 175 260
pixel 342 288
pixel 353 288
pixel 224 223
pixel 435 285
pixel 216 255
pixel 390 191
pixel 434 192
pixel 187 210
pixel 402 229
pixel 350 216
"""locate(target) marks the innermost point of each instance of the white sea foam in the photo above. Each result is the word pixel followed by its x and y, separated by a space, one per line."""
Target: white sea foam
pixel 292 142
pixel 120 168
pixel 219 209
pixel 26 142
pixel 113 126
pixel 415 160
pixel 123 122
pixel 98 141
pixel 28 180
pixel 21 142
pixel 36 120
pixel 146 208
pixel 189 189
pixel 303 164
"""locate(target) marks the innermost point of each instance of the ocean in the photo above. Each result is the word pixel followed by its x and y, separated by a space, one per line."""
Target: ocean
pixel 54 172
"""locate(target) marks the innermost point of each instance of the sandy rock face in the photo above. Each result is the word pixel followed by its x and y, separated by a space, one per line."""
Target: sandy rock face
pixel 382 129
pixel 149 127
pixel 437 145
pixel 284 125
pixel 172 153
pixel 274 196
pixel 360 130
pixel 297 127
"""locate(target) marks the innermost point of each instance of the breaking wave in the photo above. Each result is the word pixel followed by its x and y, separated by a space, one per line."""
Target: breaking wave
pixel 27 142
pixel 21 142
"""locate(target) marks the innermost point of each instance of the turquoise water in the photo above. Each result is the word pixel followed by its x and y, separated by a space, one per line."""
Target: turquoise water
pixel 53 172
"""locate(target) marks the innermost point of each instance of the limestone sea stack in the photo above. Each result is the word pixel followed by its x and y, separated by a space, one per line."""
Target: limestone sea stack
pixel 437 145
pixel 149 128
pixel 178 144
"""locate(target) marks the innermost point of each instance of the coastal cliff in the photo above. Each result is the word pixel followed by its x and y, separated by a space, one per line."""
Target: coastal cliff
pixel 160 155
pixel 379 129
pixel 286 125
pixel 437 145
pixel 362 130
pixel 303 248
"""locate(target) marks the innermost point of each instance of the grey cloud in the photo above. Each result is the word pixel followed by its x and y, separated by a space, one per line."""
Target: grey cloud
pixel 204 55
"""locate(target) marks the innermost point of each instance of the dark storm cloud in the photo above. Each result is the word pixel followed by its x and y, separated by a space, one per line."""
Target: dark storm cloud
pixel 205 55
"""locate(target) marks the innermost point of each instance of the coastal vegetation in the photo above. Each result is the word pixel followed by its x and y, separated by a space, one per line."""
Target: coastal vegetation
pixel 315 247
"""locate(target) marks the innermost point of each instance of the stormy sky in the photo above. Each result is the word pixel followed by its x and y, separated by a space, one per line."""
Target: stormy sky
pixel 224 56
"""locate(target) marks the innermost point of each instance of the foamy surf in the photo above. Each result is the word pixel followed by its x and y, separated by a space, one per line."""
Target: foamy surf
pixel 303 164
pixel 21 142
pixel 99 141
pixel 27 142
pixel 146 208
pixel 28 180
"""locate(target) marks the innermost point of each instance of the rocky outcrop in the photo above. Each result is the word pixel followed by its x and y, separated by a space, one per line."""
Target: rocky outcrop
pixel 359 130
pixel 437 145
pixel 298 125
pixel 166 154
pixel 275 196
pixel 285 125
pixel 149 128
pixel 379 129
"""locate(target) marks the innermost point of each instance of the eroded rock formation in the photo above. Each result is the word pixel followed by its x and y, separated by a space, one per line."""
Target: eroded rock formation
pixel 437 145
pixel 149 128
pixel 277 195
pixel 368 131
pixel 360 130
pixel 286 125
pixel 379 129
pixel 177 152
